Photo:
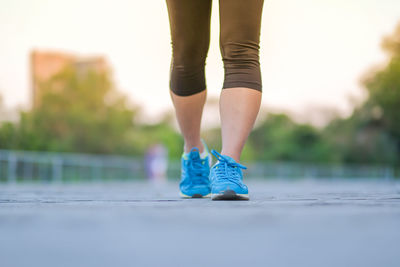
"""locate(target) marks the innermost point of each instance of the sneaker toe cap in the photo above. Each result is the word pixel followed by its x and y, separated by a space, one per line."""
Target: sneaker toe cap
pixel 220 188
pixel 197 189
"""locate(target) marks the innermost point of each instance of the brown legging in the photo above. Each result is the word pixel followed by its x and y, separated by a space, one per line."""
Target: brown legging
pixel 240 22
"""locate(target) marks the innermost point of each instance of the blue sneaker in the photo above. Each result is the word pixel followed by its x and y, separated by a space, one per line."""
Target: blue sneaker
pixel 226 179
pixel 195 172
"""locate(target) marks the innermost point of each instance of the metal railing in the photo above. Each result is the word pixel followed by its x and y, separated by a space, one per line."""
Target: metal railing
pixel 20 166
pixel 321 170
pixel 57 167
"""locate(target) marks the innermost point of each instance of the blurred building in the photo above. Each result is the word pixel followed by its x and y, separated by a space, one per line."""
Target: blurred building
pixel 45 64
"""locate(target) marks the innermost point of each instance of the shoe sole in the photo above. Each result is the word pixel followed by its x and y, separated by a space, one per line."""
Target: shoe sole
pixel 229 195
pixel 194 195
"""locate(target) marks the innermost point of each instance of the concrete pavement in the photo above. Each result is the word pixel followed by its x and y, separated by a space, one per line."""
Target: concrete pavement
pixel 286 223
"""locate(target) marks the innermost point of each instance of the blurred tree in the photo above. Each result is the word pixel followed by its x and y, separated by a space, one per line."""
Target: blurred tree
pixel 7 128
pixel 146 135
pixel 78 112
pixel 8 136
pixel 391 43
pixel 83 112
pixel 279 138
pixel 361 138
pixel 383 87
pixel 372 133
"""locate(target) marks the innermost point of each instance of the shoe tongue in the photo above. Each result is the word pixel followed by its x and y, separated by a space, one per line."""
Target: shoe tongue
pixel 194 155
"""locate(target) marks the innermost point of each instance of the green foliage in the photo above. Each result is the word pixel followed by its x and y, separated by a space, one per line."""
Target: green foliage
pixel 361 138
pixel 8 137
pixel 279 138
pixel 384 95
pixel 383 105
pixel 82 112
pixel 370 135
pixel 78 112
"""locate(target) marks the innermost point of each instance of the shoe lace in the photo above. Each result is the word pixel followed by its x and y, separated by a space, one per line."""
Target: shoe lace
pixel 225 169
pixel 197 168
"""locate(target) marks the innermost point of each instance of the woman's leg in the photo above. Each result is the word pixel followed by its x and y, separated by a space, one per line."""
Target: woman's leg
pixel 238 108
pixel 241 95
pixel 189 110
pixel 190 34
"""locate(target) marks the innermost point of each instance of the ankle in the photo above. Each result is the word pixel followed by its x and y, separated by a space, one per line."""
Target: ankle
pixel 232 154
pixel 189 145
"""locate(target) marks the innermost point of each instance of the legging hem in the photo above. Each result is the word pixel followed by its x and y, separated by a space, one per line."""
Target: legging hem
pixel 250 85
pixel 187 93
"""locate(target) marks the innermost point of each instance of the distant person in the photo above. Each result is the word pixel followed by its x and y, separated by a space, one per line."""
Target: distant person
pixel 240 22
pixel 156 163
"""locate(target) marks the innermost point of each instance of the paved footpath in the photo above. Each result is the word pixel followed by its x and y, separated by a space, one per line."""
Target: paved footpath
pixel 298 223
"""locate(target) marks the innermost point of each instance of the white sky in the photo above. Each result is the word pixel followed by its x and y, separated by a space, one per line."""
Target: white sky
pixel 313 52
